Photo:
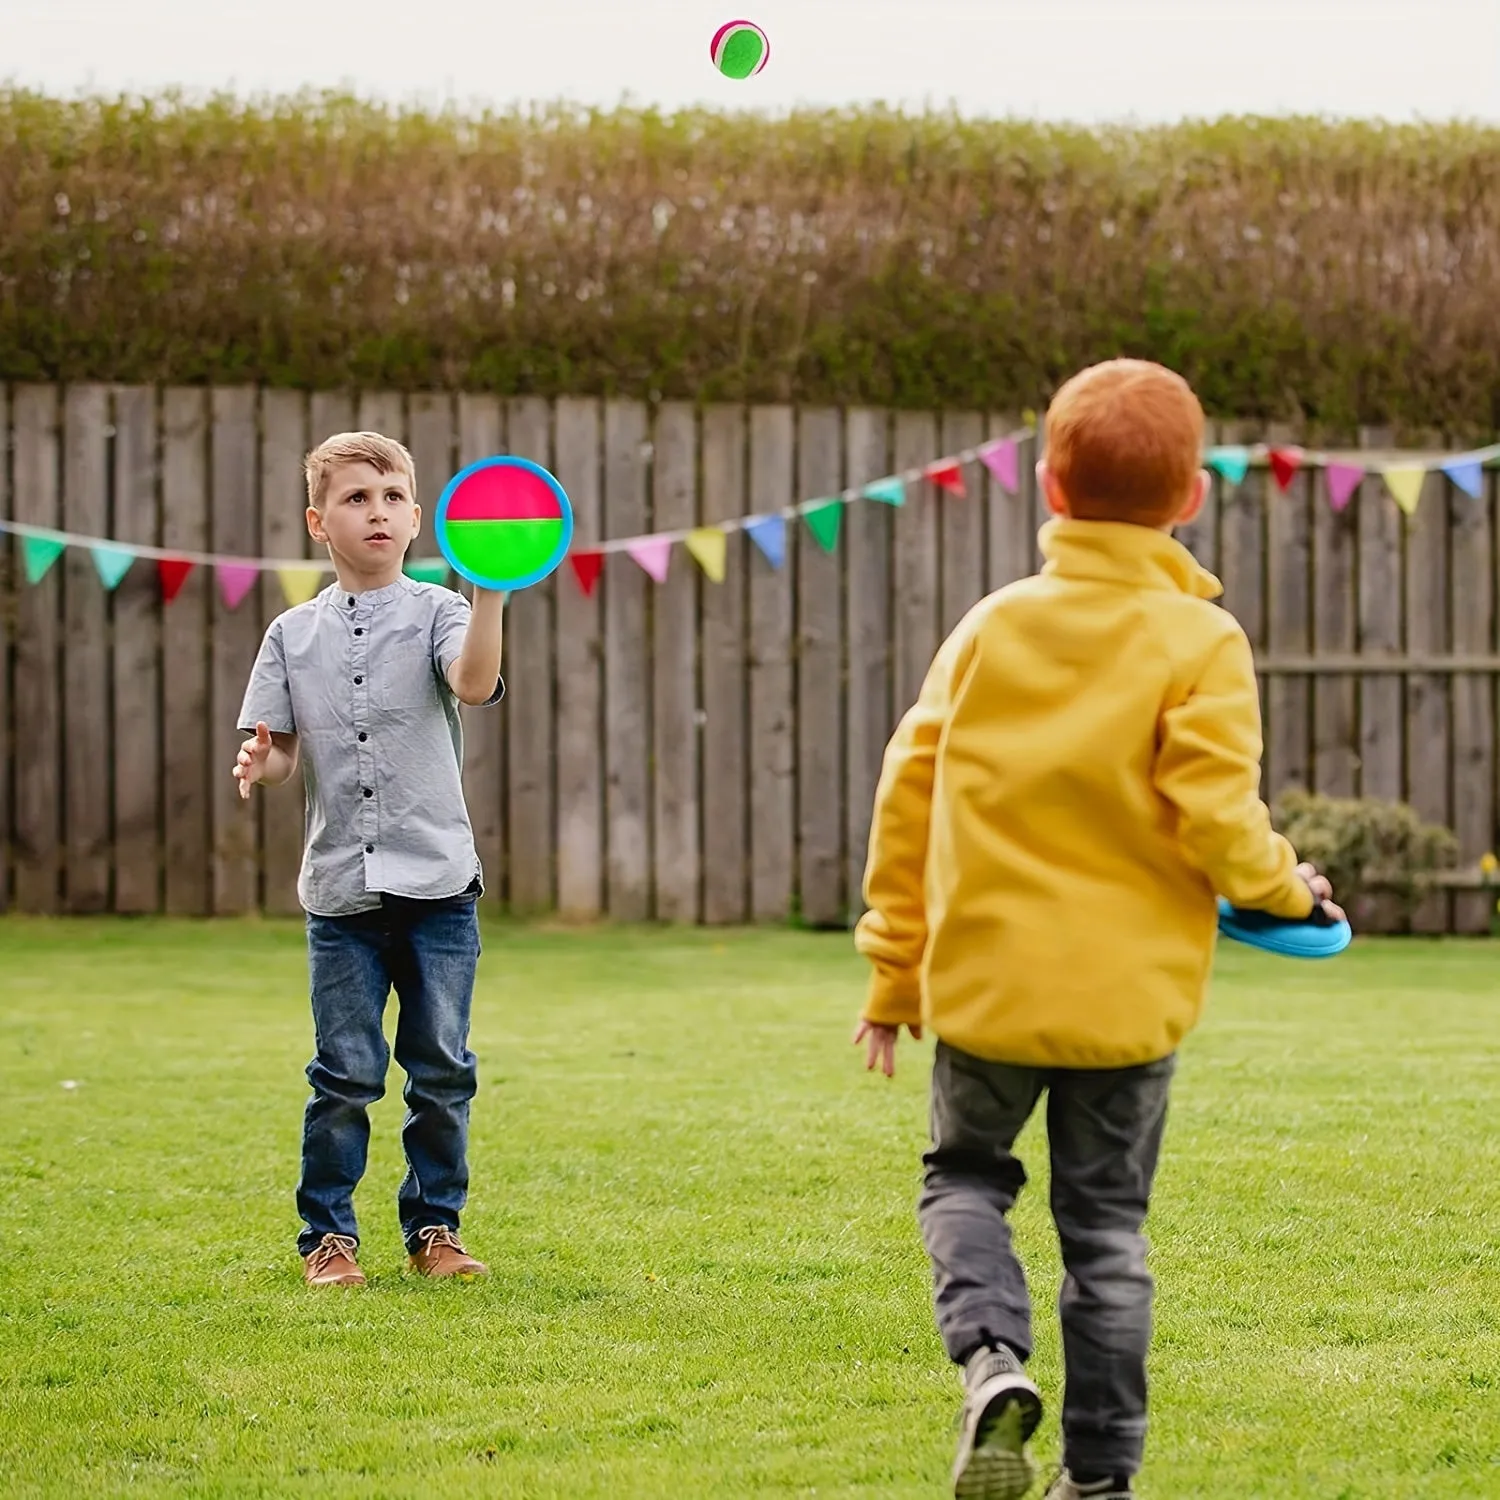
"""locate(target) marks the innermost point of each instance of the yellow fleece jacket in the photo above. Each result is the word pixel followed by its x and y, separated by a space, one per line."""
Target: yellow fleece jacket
pixel 1077 780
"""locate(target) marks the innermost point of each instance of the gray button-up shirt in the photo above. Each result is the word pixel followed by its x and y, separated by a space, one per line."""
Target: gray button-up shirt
pixel 362 681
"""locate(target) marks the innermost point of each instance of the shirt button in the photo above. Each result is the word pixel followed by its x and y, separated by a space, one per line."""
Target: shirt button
pixel 368 792
pixel 358 680
pixel 359 630
pixel 363 738
pixel 369 848
pixel 351 601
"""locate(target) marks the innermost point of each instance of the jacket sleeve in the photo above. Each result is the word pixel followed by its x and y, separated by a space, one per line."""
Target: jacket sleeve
pixel 892 934
pixel 1208 768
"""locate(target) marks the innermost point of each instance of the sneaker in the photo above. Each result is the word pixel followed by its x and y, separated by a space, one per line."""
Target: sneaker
pixel 331 1262
pixel 442 1255
pixel 1001 1410
pixel 1065 1487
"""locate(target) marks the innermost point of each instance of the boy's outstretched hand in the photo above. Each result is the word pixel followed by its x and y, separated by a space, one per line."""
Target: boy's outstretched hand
pixel 880 1044
pixel 1322 890
pixel 250 764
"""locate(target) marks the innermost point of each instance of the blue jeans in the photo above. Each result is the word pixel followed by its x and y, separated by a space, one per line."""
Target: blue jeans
pixel 426 951
pixel 1105 1131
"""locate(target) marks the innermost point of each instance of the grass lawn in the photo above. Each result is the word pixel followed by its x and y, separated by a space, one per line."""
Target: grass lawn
pixel 698 1210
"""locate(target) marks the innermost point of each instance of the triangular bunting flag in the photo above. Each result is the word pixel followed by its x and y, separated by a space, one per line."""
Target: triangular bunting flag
pixel 587 567
pixel 654 554
pixel 769 534
pixel 299 584
pixel 1284 465
pixel 1405 482
pixel 1468 475
pixel 1343 480
pixel 428 570
pixel 235 581
pixel 173 573
pixel 1003 461
pixel 887 491
pixel 40 553
pixel 708 546
pixel 949 477
pixel 823 522
pixel 111 564
pixel 1231 463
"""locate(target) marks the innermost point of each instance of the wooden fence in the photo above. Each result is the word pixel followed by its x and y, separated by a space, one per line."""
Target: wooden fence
pixel 690 751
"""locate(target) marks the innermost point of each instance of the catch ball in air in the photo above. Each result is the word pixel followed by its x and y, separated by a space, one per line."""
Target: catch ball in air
pixel 740 49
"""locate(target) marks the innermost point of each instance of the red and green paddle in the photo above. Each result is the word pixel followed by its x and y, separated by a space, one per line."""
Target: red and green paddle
pixel 504 524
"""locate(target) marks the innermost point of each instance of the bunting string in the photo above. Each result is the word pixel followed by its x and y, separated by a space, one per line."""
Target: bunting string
pixel 1404 474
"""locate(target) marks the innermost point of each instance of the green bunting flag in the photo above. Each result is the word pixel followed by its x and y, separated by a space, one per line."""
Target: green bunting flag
pixel 40 553
pixel 112 564
pixel 428 570
pixel 823 522
pixel 887 491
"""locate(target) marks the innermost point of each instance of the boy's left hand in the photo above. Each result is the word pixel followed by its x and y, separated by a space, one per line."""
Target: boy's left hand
pixel 880 1044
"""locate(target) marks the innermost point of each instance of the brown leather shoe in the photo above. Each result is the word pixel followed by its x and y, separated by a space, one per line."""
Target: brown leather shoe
pixel 332 1263
pixel 442 1255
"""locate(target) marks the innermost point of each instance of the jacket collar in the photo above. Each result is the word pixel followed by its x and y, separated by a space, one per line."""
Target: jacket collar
pixel 1112 552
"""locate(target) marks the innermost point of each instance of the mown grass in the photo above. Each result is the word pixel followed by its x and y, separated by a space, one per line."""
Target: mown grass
pixel 698 1211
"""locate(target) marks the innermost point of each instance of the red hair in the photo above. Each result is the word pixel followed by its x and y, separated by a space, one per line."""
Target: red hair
pixel 1125 442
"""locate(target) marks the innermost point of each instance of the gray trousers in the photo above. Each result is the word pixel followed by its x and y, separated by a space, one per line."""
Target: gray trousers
pixel 1104 1129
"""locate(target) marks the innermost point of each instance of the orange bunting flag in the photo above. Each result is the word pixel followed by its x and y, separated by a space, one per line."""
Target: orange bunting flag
pixel 949 477
pixel 173 573
pixel 1284 465
pixel 709 548
pixel 587 567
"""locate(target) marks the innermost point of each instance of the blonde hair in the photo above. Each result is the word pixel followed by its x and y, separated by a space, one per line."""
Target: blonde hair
pixel 1124 440
pixel 385 455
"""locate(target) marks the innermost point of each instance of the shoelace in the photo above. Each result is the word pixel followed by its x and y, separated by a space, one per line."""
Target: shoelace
pixel 329 1248
pixel 439 1234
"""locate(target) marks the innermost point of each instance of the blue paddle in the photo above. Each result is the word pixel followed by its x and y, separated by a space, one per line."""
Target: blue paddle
pixel 1319 936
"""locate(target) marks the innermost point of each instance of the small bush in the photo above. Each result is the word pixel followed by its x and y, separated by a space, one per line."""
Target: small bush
pixel 1366 846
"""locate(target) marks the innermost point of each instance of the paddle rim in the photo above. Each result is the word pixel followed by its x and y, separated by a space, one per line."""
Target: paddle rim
pixel 504 585
pixel 1270 938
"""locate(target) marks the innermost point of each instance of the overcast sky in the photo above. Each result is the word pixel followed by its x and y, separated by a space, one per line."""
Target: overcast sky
pixel 1058 59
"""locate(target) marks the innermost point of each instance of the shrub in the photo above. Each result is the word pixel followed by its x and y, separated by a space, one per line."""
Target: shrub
pixel 1297 270
pixel 1365 845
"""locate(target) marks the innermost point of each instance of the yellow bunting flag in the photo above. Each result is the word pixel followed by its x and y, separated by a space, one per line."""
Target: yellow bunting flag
pixel 300 584
pixel 1405 483
pixel 707 546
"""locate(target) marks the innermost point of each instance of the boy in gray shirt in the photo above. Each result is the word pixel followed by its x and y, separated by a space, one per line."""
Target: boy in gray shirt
pixel 360 687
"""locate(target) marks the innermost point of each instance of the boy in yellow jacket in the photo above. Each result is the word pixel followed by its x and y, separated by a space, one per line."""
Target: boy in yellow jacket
pixel 1078 779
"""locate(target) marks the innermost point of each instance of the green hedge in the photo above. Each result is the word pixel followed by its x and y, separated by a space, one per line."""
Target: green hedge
pixel 1294 269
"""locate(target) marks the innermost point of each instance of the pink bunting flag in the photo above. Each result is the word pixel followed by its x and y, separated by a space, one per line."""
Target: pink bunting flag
pixel 1003 461
pixel 654 554
pixel 1343 480
pixel 235 581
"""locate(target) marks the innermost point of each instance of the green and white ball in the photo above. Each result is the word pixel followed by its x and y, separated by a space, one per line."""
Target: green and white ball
pixel 740 49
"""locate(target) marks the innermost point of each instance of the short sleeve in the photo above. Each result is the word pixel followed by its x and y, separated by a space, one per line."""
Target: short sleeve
pixel 268 697
pixel 449 628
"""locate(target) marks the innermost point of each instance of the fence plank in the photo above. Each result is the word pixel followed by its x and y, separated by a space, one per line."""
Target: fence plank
pixel 674 672
pixel 1008 527
pixel 961 523
pixel 234 532
pixel 1381 718
pixel 1476 816
pixel 283 534
pixel 10 591
pixel 820 684
pixel 479 436
pixel 38 696
pixel 530 708
pixel 187 733
pixel 627 670
pixel 914 559
pixel 1428 750
pixel 728 789
pixel 1335 610
pixel 1288 627
pixel 88 759
pixel 580 683
pixel 381 411
pixel 772 709
pixel 867 596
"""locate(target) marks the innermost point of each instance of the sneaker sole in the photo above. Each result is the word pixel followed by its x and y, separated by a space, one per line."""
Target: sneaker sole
pixel 998 1466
